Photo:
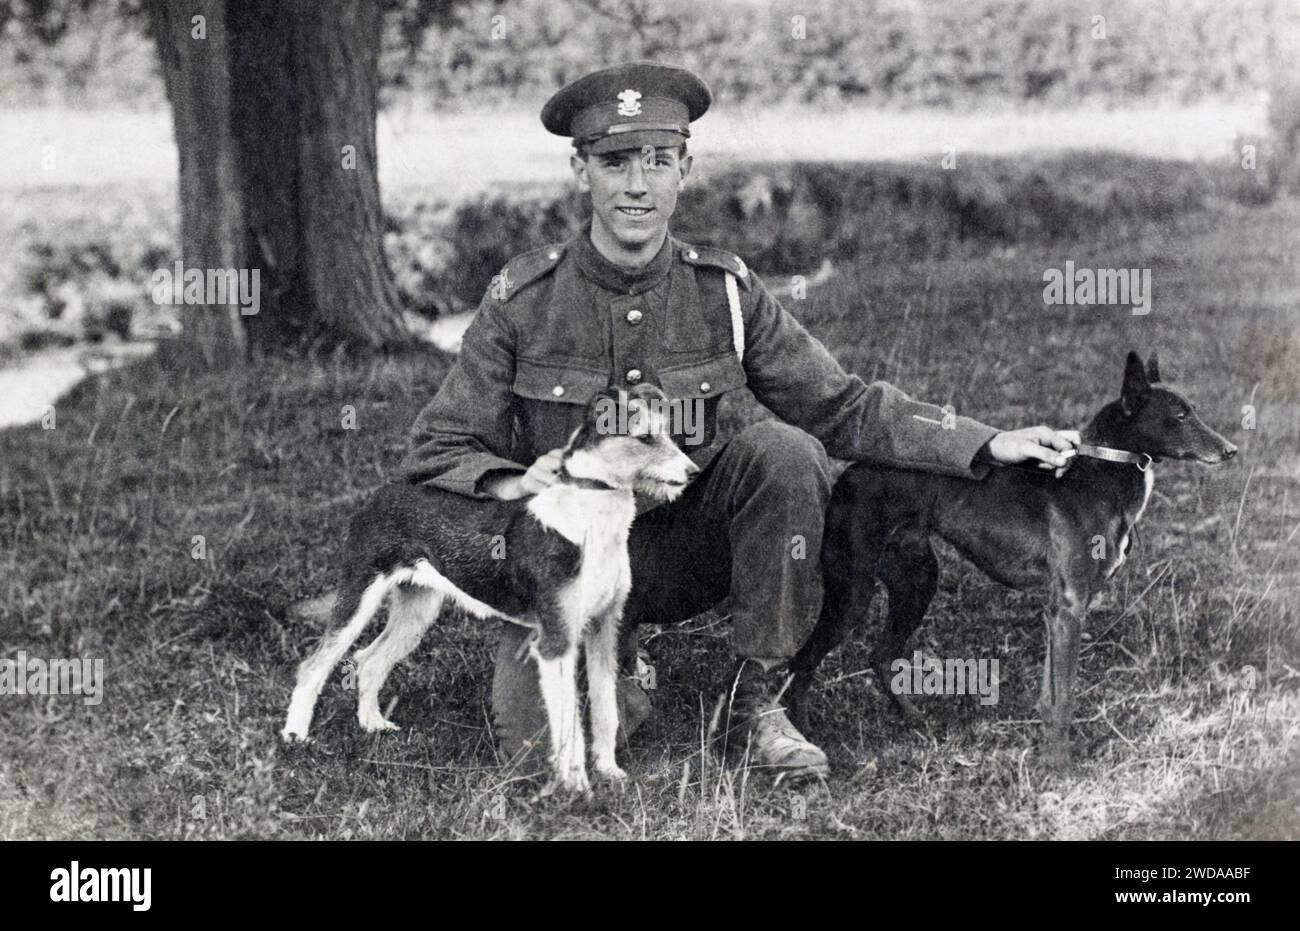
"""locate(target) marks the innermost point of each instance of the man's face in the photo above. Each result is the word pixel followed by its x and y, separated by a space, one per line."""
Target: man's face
pixel 633 191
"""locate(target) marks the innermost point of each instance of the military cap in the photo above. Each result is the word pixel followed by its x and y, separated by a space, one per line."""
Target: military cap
pixel 628 106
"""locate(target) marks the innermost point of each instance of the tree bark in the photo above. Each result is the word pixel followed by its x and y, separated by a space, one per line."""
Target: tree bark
pixel 274 115
pixel 196 78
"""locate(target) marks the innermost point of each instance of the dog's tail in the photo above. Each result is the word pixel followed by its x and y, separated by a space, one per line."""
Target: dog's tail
pixel 348 599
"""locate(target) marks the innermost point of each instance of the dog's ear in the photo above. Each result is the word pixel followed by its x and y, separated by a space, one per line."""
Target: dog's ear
pixel 602 416
pixel 601 401
pixel 1135 382
pixel 1153 368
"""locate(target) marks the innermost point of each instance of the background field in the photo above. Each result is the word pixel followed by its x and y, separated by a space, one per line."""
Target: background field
pixel 98 516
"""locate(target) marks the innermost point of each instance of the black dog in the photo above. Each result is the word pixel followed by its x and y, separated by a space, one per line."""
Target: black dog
pixel 1025 529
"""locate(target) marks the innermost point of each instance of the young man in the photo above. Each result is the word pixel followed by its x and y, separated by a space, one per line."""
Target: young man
pixel 622 303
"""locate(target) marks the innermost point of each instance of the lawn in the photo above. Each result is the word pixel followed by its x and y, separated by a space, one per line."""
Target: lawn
pixel 1190 677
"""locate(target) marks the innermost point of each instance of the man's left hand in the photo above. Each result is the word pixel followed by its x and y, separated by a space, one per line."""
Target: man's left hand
pixel 1050 448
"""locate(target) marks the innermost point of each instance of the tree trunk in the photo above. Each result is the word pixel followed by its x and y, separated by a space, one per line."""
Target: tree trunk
pixel 274 107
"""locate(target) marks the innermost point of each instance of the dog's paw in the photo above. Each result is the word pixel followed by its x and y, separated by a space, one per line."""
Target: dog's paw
pixel 1056 758
pixel 806 774
pixel 376 723
pixel 291 736
pixel 568 789
pixel 570 780
pixel 613 775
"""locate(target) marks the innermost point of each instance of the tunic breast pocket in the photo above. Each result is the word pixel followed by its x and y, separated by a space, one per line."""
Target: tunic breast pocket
pixel 551 399
pixel 688 330
pixel 694 390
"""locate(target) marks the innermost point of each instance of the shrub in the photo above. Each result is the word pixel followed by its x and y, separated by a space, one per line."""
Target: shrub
pixel 788 218
pixel 84 281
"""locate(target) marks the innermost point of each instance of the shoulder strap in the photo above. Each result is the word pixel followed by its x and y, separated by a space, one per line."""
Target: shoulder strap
pixel 523 270
pixel 721 259
pixel 735 276
pixel 737 318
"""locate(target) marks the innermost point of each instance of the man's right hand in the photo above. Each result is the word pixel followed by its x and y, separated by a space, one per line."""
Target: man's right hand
pixel 541 474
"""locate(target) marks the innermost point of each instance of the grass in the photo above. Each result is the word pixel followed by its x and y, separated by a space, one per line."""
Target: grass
pixel 98 520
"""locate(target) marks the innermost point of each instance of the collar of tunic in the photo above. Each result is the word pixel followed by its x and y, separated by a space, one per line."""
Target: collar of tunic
pixel 601 271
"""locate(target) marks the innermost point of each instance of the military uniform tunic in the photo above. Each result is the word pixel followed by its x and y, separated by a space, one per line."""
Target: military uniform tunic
pixel 560 323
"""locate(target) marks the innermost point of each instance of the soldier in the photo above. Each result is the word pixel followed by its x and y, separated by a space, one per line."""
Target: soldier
pixel 623 302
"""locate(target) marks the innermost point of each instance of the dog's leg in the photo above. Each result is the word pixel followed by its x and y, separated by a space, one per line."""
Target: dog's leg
pixel 910 571
pixel 1064 621
pixel 840 609
pixel 850 551
pixel 556 651
pixel 558 678
pixel 355 612
pixel 411 610
pixel 602 693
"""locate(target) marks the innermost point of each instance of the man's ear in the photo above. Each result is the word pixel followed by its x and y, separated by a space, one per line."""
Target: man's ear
pixel 1135 382
pixel 684 169
pixel 579 167
pixel 1153 368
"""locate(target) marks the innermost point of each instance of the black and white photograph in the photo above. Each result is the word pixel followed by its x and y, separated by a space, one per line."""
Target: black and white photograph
pixel 768 420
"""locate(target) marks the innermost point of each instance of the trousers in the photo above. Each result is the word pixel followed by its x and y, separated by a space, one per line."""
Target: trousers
pixel 748 530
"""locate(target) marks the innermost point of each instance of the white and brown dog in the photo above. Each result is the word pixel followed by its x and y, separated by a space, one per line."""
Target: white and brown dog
pixel 556 562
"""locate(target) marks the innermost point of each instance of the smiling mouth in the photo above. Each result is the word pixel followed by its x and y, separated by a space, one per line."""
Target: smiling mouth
pixel 635 211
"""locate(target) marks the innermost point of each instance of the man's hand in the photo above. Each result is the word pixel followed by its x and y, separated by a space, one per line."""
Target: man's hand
pixel 1050 448
pixel 540 474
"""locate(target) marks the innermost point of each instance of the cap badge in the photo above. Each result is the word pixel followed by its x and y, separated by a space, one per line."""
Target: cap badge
pixel 629 103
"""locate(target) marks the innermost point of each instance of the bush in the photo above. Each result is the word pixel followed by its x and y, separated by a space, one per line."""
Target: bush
pixel 878 52
pixel 444 258
pixel 484 236
pixel 91 277
pixel 88 279
pixel 822 52
pixel 789 218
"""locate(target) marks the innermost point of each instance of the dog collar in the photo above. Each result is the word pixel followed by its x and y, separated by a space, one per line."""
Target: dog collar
pixel 594 484
pixel 1141 460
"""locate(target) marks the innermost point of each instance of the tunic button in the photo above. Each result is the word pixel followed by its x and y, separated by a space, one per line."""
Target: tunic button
pixel 634 317
pixel 692 254
pixel 705 386
pixel 552 255
pixel 558 391
pixel 633 376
